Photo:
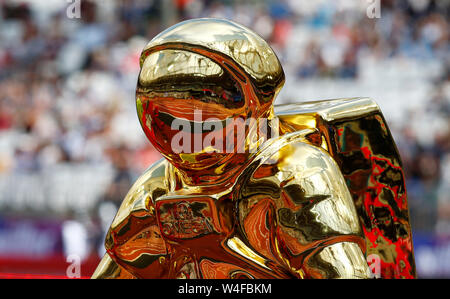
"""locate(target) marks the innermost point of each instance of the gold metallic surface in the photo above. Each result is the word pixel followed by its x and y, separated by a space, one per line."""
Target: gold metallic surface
pixel 108 269
pixel 357 137
pixel 245 50
pixel 312 202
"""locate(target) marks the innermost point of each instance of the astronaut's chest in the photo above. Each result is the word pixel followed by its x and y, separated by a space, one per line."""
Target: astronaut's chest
pixel 200 230
pixel 190 217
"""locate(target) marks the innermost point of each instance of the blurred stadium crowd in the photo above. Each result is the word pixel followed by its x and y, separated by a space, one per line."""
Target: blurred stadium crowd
pixel 70 141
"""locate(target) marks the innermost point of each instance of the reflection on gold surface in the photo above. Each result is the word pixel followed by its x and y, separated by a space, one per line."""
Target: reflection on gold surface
pixel 108 269
pixel 310 202
pixel 343 260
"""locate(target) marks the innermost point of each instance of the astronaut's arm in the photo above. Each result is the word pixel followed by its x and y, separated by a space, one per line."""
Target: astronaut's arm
pixel 317 248
pixel 133 242
pixel 318 223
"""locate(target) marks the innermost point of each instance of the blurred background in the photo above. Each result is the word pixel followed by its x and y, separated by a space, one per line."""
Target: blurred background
pixel 70 141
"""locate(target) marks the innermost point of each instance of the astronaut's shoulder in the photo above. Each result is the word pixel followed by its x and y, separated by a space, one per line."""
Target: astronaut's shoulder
pixel 295 151
pixel 152 178
pixel 150 184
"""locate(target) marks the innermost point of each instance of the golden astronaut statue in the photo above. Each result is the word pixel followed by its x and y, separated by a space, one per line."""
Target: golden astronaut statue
pixel 249 190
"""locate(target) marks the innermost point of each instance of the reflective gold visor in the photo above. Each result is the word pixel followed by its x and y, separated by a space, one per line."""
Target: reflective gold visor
pixel 181 74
